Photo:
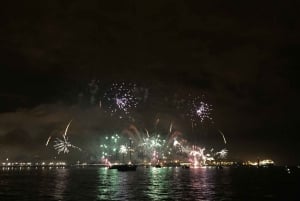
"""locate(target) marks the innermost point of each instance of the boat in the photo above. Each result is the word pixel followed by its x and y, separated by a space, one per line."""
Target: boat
pixel 113 167
pixel 127 167
pixel 185 166
pixel 124 167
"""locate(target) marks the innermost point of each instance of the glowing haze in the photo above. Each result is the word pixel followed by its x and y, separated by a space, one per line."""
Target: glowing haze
pixel 119 101
pixel 210 70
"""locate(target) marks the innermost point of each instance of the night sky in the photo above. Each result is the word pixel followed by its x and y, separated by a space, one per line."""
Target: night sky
pixel 242 55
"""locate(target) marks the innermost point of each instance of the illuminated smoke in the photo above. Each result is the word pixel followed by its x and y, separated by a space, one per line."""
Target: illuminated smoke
pixel 155 148
pixel 93 90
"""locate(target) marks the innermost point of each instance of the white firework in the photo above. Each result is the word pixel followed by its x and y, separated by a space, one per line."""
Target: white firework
pixel 48 140
pixel 222 134
pixel 199 110
pixel 222 154
pixel 121 98
pixel 123 149
pixel 63 145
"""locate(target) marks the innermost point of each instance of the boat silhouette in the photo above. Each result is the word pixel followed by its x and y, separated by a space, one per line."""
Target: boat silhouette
pixel 125 167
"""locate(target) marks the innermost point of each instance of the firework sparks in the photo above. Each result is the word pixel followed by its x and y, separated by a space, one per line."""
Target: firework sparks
pixel 225 142
pixel 155 147
pixel 121 98
pixel 63 145
pixel 123 149
pixel 147 132
pixel 199 110
pixel 202 111
pixel 66 130
pixel 48 140
pixel 223 153
pixel 171 127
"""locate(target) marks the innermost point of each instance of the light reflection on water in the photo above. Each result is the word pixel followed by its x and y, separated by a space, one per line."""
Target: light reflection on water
pixel 160 184
pixel 60 183
pixel 107 184
pixel 145 184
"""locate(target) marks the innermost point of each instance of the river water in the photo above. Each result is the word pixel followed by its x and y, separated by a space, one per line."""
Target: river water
pixel 149 184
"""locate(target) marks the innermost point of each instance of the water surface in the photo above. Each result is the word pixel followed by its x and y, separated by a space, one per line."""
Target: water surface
pixel 149 184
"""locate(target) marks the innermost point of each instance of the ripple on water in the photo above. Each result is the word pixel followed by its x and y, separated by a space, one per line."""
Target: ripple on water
pixel 148 184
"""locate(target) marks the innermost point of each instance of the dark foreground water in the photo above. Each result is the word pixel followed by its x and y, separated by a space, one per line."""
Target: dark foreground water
pixel 150 184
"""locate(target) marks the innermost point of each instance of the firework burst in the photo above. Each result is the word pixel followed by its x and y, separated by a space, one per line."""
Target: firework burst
pixel 63 145
pixel 199 110
pixel 222 154
pixel 121 98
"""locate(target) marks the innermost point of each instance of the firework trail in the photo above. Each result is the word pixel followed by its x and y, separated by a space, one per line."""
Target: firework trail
pixel 147 132
pixel 100 104
pixel 225 142
pixel 66 130
pixel 133 133
pixel 48 140
pixel 136 131
pixel 171 127
pixel 61 146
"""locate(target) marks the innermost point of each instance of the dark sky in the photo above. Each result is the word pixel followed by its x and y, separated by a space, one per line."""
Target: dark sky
pixel 241 54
